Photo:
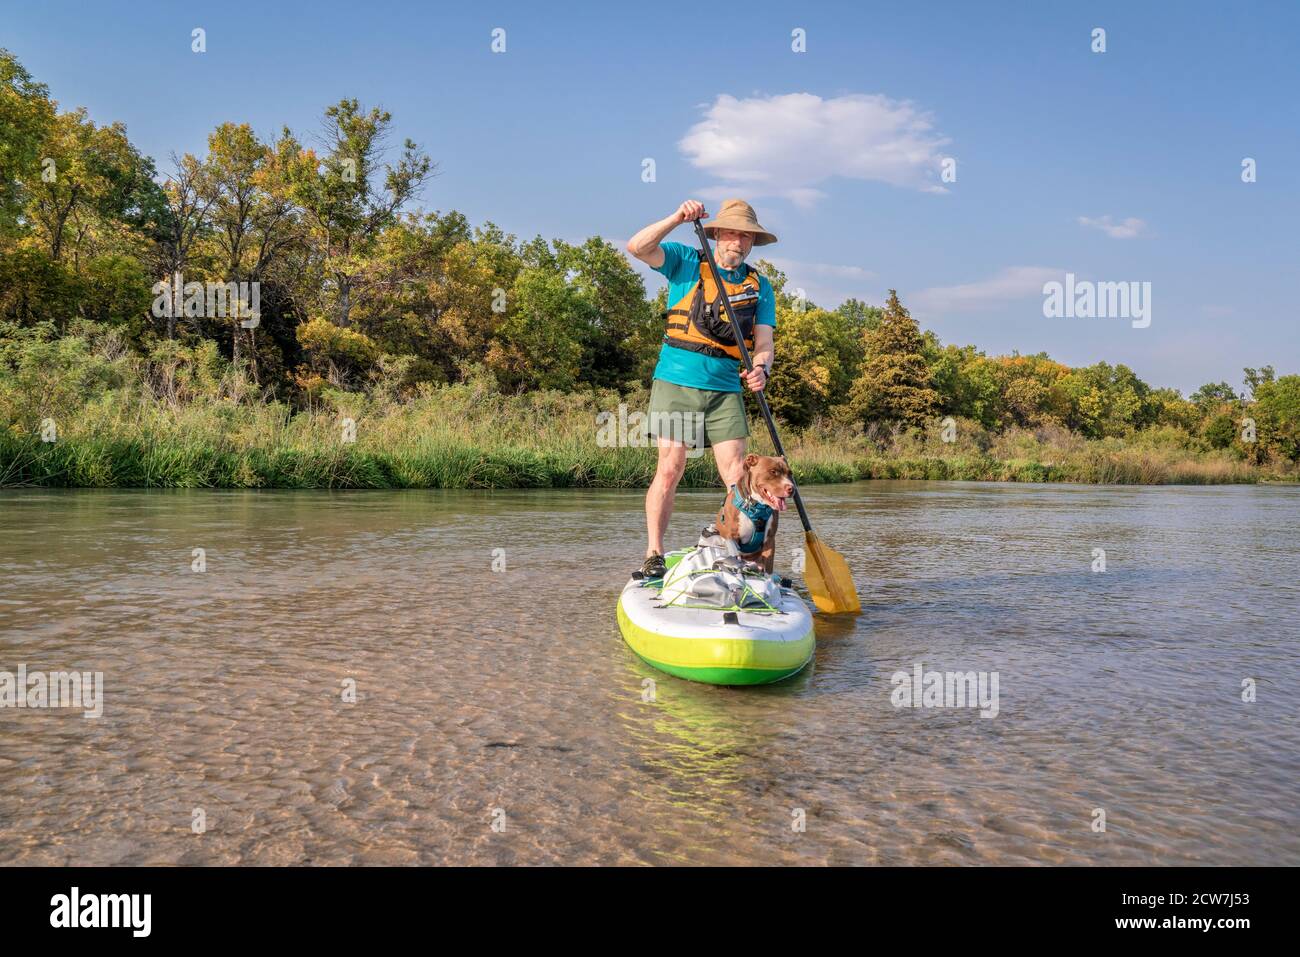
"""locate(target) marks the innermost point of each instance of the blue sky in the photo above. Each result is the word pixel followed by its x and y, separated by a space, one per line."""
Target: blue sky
pixel 1115 166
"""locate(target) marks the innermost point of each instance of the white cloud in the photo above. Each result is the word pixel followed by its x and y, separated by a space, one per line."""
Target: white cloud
pixel 1128 229
pixel 1011 284
pixel 785 145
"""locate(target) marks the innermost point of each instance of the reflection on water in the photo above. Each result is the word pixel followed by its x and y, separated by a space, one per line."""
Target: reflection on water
pixel 508 696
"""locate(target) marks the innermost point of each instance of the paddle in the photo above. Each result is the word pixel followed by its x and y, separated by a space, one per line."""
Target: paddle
pixel 826 571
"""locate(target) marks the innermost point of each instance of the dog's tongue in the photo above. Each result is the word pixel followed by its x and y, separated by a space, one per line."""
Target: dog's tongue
pixel 773 501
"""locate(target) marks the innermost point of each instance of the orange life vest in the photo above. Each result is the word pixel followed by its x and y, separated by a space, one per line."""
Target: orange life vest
pixel 698 321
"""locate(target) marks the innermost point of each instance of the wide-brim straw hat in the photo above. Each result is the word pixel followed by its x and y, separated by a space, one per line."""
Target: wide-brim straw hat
pixel 738 215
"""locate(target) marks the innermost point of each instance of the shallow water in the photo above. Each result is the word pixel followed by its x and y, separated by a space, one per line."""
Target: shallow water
pixel 507 697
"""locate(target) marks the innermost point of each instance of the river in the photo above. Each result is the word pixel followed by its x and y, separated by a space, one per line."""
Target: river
pixel 499 719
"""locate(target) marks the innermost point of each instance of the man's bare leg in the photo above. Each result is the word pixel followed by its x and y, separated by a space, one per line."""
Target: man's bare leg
pixel 729 456
pixel 659 499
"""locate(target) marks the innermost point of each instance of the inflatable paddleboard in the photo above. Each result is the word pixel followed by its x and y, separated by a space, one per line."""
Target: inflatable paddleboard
pixel 763 634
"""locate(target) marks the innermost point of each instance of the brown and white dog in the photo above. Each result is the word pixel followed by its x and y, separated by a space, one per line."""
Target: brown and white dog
pixel 766 480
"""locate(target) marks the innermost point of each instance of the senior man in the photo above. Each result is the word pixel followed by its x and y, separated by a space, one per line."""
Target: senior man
pixel 698 376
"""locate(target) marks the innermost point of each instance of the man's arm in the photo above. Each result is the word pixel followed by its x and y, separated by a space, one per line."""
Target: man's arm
pixel 645 244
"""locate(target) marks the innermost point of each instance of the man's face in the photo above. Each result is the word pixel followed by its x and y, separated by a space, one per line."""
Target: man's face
pixel 731 247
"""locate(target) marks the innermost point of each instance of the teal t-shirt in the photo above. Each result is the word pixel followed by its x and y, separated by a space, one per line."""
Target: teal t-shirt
pixel 693 369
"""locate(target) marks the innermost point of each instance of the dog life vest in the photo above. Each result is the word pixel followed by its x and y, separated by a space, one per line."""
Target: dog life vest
pixel 758 513
pixel 698 321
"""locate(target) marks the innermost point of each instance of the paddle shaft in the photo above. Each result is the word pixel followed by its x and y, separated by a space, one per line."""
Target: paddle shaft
pixel 749 367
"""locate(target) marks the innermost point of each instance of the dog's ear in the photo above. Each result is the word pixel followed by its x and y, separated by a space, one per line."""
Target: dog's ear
pixel 751 460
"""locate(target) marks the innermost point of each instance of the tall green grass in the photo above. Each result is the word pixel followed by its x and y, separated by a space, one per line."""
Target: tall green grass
pixel 184 419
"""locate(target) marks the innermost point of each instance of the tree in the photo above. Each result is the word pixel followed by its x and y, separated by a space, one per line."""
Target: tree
pixel 539 343
pixel 335 356
pixel 1257 377
pixel 350 197
pixel 894 384
pixel 1277 409
pixel 94 175
pixel 616 310
pixel 1220 431
pixel 35 289
pixel 1212 394
pixel 967 383
pixel 1107 400
pixel 1172 409
pixel 1032 390
pixel 433 289
pixel 184 219
pixel 254 223
pixel 26 115
pixel 860 314
pixel 819 354
pixel 115 290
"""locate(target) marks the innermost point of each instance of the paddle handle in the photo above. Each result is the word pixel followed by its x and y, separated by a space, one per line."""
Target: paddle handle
pixel 749 367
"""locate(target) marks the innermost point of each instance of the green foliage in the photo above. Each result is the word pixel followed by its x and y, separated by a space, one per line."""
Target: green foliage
pixel 96 179
pixel 1257 378
pixel 1220 431
pixel 967 383
pixel 1106 400
pixel 1169 408
pixel 1213 393
pixel 860 315
pixel 349 197
pixel 538 345
pixel 26 115
pixel 1277 411
pixel 335 355
pixel 617 321
pixel 115 290
pixel 1032 391
pixel 894 382
pixel 819 355
pixel 35 288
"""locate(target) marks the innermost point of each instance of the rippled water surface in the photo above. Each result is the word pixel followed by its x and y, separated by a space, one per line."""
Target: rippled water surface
pixel 508 696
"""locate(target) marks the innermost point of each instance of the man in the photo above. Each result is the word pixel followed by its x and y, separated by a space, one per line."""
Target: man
pixel 699 373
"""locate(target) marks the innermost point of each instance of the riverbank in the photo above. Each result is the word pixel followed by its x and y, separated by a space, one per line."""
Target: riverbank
pixel 170 463
pixel 107 433
pixel 86 411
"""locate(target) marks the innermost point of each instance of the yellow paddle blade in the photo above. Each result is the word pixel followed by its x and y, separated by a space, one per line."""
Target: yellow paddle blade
pixel 827 575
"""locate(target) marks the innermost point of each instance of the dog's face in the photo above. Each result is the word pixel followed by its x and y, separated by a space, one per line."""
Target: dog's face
pixel 770 480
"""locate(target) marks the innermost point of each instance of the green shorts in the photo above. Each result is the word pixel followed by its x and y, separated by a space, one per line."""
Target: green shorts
pixel 696 417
